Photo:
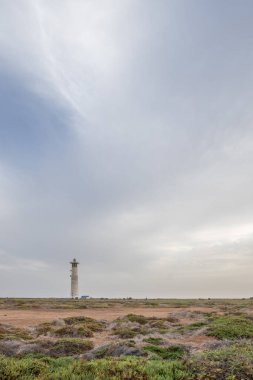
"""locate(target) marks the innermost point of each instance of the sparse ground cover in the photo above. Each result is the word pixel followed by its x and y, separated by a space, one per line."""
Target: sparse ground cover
pixel 231 327
pixel 70 327
pixel 203 339
pixel 104 303
pixel 8 332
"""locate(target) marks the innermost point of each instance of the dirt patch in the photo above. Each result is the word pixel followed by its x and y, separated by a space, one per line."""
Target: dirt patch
pixel 101 338
pixel 26 318
pixel 193 340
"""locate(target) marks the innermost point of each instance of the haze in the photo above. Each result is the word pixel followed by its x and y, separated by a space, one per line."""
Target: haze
pixel 126 142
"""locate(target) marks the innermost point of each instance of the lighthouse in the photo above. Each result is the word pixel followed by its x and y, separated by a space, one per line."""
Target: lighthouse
pixel 74 279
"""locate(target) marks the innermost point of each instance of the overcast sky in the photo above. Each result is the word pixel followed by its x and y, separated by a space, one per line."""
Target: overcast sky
pixel 126 141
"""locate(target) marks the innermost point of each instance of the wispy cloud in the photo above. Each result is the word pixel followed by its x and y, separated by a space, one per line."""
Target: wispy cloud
pixel 126 140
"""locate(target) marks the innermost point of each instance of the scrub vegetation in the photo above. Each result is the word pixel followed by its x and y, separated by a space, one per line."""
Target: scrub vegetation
pixel 103 303
pixel 71 327
pixel 231 327
pixel 207 341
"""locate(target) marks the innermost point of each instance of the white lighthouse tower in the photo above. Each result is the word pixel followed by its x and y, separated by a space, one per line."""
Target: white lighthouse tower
pixel 74 279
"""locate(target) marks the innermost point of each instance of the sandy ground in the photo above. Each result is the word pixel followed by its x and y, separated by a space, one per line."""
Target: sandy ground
pixel 106 337
pixel 26 318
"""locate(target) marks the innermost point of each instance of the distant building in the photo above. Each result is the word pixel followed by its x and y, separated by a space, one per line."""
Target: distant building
pixel 85 297
pixel 74 279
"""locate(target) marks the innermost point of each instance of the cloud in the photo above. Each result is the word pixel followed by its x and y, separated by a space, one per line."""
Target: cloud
pixel 125 140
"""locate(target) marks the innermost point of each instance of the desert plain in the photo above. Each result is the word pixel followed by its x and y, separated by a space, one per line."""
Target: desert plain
pixel 101 338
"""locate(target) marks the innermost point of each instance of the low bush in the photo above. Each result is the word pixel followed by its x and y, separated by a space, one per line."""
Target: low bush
pixel 168 353
pixel 71 327
pixel 103 369
pixel 89 323
pixel 44 328
pixel 172 319
pixel 231 363
pixel 154 341
pixel 231 327
pixel 125 332
pixel 11 333
pixel 25 368
pixel 158 324
pixel 137 318
pixel 192 327
pixel 69 347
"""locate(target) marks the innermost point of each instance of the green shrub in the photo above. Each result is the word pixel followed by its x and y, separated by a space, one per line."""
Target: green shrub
pixel 11 333
pixel 231 363
pixel 103 369
pixel 74 327
pixel 44 328
pixel 25 368
pixel 124 332
pixel 159 324
pixel 168 353
pixel 192 327
pixel 69 346
pixel 154 341
pixel 86 322
pixel 137 318
pixel 230 327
